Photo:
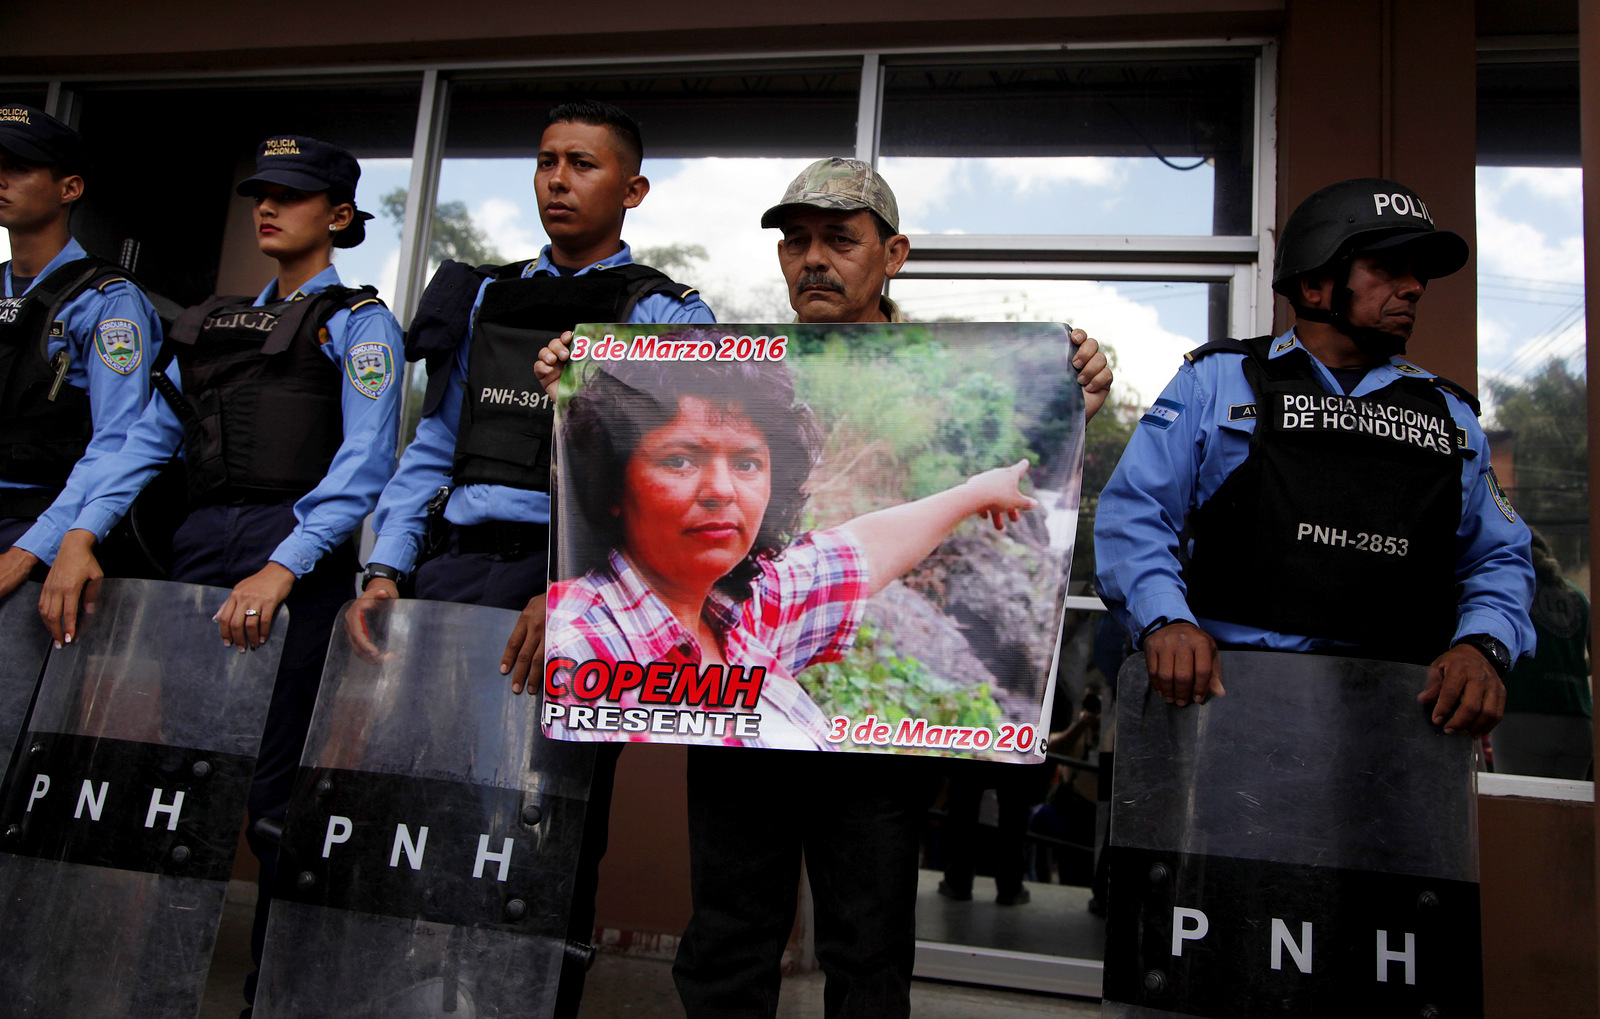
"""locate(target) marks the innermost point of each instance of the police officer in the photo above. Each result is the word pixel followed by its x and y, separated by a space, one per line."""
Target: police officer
pixel 286 410
pixel 1316 490
pixel 492 456
pixel 76 340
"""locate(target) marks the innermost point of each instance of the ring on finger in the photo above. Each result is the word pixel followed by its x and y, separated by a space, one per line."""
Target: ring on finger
pixel 252 612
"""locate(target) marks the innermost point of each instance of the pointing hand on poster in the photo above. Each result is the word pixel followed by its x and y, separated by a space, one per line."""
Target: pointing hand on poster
pixel 1001 492
pixel 551 358
pixel 898 538
pixel 1094 371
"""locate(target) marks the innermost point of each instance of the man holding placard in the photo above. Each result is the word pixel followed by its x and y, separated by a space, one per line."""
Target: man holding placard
pixel 856 818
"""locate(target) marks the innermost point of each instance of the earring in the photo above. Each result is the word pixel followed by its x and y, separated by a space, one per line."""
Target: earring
pixel 332 229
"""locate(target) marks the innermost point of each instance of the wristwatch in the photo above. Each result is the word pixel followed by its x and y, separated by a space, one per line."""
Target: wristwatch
pixel 1498 654
pixel 377 571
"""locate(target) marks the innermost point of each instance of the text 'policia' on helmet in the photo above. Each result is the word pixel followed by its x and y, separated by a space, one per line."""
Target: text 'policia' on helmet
pixel 1362 217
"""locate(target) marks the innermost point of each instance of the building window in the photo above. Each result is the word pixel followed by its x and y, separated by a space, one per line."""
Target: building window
pixel 1531 378
pixel 1157 145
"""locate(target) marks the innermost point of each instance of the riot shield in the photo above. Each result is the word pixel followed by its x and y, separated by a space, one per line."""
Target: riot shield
pixel 24 644
pixel 427 862
pixel 1304 846
pixel 123 809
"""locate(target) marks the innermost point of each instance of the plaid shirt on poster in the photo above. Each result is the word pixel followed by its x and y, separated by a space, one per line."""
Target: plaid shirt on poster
pixel 804 609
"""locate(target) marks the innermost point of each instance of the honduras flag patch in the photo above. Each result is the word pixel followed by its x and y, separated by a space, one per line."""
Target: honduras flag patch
pixel 1162 414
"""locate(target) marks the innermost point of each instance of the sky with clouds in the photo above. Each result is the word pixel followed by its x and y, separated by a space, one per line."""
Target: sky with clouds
pixel 1530 269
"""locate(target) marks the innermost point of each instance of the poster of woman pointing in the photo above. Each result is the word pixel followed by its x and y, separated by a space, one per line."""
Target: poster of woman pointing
pixel 831 538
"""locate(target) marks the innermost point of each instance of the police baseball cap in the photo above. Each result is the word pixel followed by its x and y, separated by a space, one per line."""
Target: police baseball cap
pixel 35 138
pixel 836 183
pixel 307 164
pixel 1365 216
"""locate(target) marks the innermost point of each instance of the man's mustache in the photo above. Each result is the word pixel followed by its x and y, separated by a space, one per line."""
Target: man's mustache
pixel 819 279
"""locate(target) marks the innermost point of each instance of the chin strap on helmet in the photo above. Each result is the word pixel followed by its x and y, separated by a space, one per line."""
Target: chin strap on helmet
pixel 1374 343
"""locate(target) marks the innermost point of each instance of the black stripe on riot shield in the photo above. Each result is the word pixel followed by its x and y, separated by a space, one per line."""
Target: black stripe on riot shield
pixel 128 805
pixel 1217 937
pixel 431 849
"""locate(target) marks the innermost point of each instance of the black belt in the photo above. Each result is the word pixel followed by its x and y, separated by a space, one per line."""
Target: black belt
pixel 232 495
pixel 508 539
pixel 26 503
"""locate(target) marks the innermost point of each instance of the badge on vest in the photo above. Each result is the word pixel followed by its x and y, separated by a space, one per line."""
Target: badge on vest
pixel 370 367
pixel 1242 412
pixel 1500 497
pixel 1162 413
pixel 118 342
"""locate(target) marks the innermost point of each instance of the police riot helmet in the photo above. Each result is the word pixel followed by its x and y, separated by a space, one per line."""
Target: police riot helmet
pixel 1362 217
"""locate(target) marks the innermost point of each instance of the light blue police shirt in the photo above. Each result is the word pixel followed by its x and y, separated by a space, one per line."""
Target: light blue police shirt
pixel 110 333
pixel 1186 447
pixel 330 512
pixel 402 513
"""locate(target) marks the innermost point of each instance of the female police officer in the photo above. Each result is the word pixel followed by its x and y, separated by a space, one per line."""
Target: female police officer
pixel 286 411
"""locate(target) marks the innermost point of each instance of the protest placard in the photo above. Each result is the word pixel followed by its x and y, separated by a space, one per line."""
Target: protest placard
pixel 821 537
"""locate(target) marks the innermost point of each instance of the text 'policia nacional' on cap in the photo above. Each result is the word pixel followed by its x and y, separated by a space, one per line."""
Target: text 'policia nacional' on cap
pixel 35 138
pixel 306 164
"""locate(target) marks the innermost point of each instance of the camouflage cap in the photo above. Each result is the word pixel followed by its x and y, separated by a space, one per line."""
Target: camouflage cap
pixel 836 183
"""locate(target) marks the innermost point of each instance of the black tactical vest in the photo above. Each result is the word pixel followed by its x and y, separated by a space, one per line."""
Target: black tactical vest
pixel 1341 522
pixel 504 436
pixel 44 420
pixel 260 400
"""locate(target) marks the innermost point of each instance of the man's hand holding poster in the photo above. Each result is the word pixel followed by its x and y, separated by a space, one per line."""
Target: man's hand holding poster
pixel 812 537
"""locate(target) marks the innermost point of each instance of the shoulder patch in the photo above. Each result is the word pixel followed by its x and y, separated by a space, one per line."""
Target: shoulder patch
pixel 370 368
pixel 1499 495
pixel 1242 412
pixel 120 344
pixel 1162 413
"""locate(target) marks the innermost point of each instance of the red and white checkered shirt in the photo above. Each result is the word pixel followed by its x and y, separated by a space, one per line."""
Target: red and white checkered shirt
pixel 804 609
